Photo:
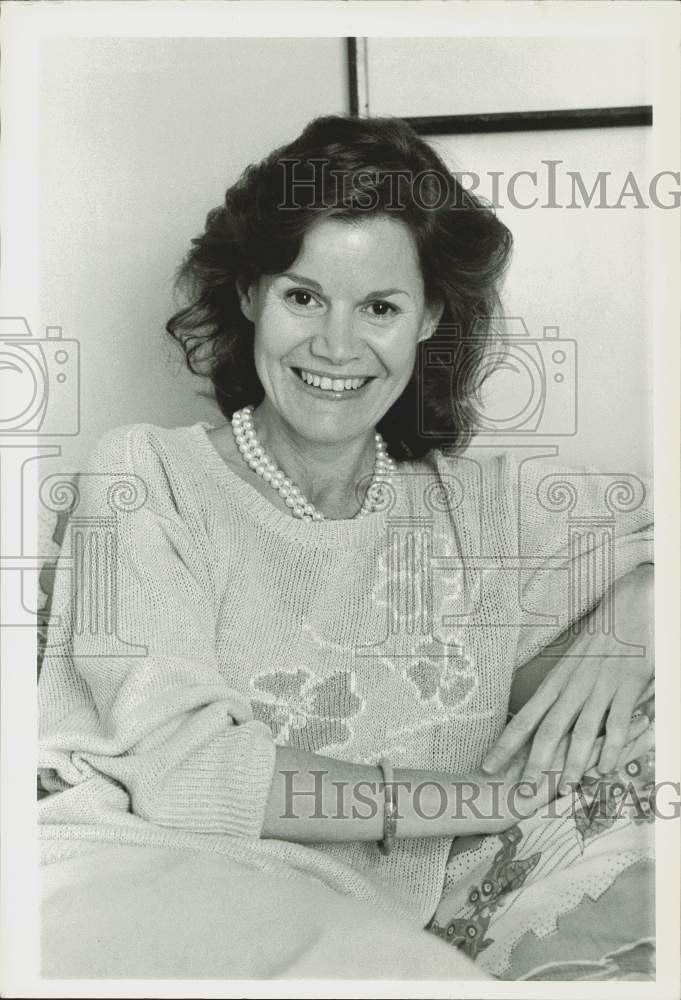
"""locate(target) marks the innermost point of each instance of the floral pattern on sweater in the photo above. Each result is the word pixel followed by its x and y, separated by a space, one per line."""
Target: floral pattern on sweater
pixel 440 675
pixel 303 711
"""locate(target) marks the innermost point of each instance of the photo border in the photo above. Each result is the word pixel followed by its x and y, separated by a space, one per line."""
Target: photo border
pixel 21 33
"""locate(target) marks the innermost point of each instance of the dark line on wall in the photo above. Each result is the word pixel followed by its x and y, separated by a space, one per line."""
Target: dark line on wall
pixel 532 121
pixel 351 48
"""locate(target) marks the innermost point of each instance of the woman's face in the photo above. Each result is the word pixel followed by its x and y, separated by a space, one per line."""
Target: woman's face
pixel 350 307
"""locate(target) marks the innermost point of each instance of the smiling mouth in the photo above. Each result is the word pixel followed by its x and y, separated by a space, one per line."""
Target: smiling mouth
pixel 329 384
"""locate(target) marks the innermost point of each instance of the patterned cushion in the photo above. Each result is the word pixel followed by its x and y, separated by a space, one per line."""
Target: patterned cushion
pixel 566 894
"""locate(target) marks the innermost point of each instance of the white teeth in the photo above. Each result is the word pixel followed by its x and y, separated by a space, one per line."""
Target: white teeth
pixel 335 385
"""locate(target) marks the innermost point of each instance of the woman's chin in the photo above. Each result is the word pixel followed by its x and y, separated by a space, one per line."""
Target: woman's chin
pixel 323 416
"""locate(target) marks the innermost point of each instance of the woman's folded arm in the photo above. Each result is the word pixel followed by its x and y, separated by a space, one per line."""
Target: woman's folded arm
pixel 146 706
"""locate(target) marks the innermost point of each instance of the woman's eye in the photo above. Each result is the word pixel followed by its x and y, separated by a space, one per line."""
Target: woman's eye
pixel 299 297
pixel 381 310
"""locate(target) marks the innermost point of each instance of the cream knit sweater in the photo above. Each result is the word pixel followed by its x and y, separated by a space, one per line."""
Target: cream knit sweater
pixel 195 626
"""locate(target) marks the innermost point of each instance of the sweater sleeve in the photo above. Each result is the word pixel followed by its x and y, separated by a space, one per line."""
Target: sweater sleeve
pixel 130 689
pixel 578 531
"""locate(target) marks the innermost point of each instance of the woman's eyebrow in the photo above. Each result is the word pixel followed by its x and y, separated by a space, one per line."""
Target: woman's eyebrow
pixel 380 293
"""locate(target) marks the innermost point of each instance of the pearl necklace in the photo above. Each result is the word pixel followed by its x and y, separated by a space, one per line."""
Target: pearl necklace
pixel 256 458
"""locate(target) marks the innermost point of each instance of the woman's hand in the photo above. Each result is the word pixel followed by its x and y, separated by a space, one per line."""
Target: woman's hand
pixel 507 796
pixel 586 687
pixel 503 791
pixel 502 799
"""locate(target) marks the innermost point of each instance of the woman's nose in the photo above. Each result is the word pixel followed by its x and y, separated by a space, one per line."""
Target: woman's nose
pixel 337 340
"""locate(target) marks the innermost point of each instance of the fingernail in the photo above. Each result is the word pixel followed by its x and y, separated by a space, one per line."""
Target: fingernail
pixel 527 789
pixel 564 788
pixel 489 763
pixel 606 764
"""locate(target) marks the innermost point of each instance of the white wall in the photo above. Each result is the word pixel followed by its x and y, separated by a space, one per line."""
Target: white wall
pixel 469 75
pixel 585 270
pixel 140 137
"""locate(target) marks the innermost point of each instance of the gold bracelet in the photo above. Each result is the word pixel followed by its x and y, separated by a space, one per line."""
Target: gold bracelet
pixel 390 807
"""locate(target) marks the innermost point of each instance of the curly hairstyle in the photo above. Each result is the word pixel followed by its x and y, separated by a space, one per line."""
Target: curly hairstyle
pixel 347 167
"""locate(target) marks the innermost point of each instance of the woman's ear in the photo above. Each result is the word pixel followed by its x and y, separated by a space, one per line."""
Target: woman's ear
pixel 432 318
pixel 246 295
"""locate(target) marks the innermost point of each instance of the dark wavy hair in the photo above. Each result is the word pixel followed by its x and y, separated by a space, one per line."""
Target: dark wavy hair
pixel 346 168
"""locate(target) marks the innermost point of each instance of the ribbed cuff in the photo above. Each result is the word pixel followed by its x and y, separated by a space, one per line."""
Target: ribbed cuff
pixel 223 787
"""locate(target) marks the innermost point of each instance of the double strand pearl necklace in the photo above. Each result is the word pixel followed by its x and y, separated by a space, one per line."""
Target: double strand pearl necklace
pixel 255 456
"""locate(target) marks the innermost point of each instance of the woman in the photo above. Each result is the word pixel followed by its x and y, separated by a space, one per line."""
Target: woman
pixel 303 619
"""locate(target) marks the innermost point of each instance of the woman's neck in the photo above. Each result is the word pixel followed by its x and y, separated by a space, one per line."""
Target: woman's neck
pixel 332 476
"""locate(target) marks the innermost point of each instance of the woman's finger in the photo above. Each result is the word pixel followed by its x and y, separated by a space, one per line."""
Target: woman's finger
pixel 515 767
pixel 558 762
pixel 521 727
pixel 637 726
pixel 556 724
pixel 638 739
pixel 617 727
pixel 646 699
pixel 531 798
pixel 583 737
pixel 595 754
pixel 643 743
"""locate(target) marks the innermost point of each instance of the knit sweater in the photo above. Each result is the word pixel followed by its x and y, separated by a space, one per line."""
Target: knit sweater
pixel 196 626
